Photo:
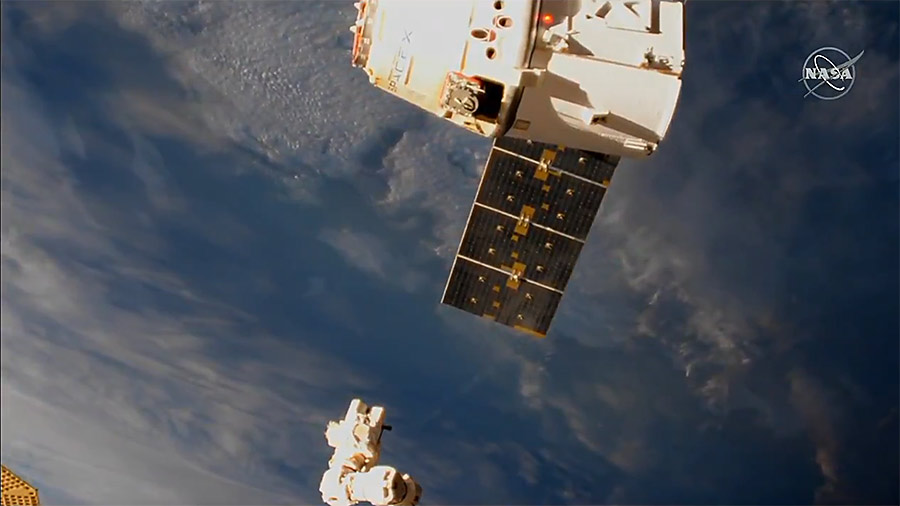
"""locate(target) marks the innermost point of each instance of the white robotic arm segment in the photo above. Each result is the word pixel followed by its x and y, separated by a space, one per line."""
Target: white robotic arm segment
pixel 358 433
pixel 353 474
pixel 334 487
pixel 384 485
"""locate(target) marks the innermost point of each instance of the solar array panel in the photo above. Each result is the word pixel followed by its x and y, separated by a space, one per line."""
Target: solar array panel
pixel 531 216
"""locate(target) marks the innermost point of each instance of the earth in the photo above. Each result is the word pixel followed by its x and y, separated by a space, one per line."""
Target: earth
pixel 216 233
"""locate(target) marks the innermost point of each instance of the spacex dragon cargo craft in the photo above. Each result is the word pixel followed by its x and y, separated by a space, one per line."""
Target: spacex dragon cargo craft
pixel 565 87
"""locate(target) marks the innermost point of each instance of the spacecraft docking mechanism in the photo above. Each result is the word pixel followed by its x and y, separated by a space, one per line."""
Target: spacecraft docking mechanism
pixel 565 87
pixel 353 473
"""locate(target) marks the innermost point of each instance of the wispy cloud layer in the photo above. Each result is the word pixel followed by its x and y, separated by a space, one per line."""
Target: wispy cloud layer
pixel 206 254
pixel 123 382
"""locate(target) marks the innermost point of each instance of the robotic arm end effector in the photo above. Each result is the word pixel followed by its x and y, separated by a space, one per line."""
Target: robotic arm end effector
pixel 353 474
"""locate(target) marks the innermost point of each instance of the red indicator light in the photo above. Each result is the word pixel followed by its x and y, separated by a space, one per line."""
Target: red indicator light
pixel 548 19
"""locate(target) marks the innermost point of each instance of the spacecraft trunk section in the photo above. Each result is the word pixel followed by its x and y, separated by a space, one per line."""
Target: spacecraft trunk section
pixel 565 87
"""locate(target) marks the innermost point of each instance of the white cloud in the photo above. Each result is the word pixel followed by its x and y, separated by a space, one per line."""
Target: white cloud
pixel 116 385
pixel 818 412
pixel 687 235
pixel 75 456
pixel 273 78
pixel 374 256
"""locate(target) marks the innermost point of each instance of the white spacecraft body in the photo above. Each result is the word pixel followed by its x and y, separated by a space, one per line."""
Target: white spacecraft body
pixel 565 87
pixel 353 473
pixel 597 75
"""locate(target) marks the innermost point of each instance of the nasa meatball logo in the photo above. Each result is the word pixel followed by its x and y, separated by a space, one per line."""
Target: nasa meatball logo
pixel 829 73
